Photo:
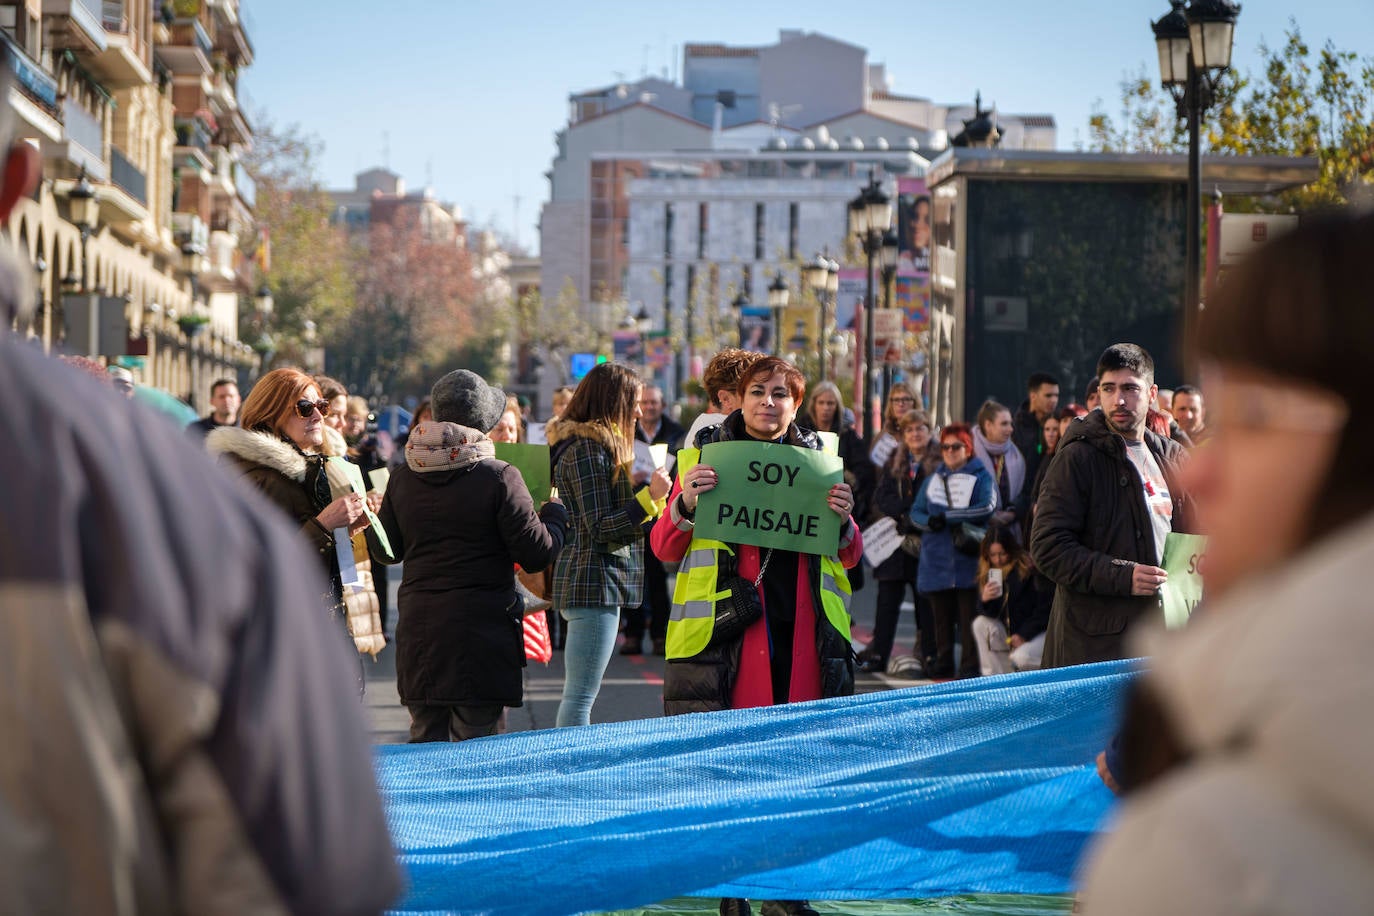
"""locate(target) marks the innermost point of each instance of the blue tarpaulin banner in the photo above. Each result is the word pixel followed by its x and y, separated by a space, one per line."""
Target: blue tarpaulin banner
pixel 979 786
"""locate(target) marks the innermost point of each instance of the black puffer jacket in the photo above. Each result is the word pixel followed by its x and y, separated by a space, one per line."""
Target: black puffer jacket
pixel 1091 528
pixel 460 532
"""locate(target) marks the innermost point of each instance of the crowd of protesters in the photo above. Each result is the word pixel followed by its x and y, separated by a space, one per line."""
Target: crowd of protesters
pixel 1008 557
pixel 1003 554
pixel 1029 537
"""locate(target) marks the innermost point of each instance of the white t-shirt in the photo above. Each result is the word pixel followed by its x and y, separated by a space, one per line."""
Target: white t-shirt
pixel 1157 497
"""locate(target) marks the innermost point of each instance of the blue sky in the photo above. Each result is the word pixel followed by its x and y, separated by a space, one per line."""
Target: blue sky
pixel 468 95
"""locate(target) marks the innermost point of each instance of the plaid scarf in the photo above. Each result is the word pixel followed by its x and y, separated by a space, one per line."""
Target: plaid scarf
pixel 434 446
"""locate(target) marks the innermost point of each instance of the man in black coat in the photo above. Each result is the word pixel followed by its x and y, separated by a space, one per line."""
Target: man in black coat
pixel 224 409
pixel 1042 400
pixel 1108 503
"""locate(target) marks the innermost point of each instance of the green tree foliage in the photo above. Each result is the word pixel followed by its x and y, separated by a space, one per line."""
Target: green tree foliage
pixel 1146 123
pixel 1300 104
pixel 309 273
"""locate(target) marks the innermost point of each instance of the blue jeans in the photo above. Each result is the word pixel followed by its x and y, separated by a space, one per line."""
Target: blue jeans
pixel 591 638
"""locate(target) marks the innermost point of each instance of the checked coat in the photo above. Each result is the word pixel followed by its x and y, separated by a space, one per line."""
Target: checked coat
pixel 602 561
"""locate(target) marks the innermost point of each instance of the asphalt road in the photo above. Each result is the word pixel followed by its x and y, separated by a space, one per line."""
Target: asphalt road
pixel 632 688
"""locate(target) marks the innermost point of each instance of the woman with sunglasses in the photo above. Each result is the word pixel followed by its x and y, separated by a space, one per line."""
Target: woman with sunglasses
pixel 278 447
pixel 960 491
pixel 901 400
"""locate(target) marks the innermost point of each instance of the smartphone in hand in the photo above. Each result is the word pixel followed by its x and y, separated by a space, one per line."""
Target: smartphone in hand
pixel 995 576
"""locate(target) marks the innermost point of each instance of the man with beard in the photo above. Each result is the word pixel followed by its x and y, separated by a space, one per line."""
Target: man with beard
pixel 1109 500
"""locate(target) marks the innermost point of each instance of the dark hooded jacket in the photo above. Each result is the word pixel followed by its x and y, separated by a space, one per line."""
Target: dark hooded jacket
pixel 459 532
pixel 1091 529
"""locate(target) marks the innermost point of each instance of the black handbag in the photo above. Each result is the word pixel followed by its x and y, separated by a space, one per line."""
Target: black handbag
pixel 736 612
pixel 967 537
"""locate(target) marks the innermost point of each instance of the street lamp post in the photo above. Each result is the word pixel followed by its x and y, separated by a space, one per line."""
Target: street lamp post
pixel 85 212
pixel 1194 44
pixel 739 304
pixel 643 324
pixel 870 216
pixel 778 295
pixel 816 275
pixel 889 262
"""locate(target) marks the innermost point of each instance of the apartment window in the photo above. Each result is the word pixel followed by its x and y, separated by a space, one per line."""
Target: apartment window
pixel 792 231
pixel 758 232
pixel 668 231
pixel 703 222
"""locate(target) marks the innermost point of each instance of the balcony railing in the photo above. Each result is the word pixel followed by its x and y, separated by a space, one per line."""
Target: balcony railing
pixel 193 132
pixel 246 186
pixel 83 128
pixel 36 85
pixel 189 32
pixel 124 174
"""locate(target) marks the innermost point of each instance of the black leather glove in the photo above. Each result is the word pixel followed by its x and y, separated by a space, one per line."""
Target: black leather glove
pixel 936 523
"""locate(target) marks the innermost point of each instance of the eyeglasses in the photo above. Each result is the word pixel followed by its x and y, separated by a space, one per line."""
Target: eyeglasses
pixel 305 407
pixel 951 446
pixel 901 399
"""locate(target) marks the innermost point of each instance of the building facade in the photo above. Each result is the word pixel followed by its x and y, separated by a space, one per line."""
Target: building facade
pixel 808 93
pixel 136 101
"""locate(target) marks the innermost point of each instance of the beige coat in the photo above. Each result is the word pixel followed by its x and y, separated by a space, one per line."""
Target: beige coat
pixel 1271 694
pixel 363 608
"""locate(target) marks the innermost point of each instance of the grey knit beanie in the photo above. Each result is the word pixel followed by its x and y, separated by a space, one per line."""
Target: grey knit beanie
pixel 464 398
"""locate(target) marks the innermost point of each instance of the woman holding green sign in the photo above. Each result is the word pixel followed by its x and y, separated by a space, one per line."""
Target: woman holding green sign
pixel 801 594
pixel 752 626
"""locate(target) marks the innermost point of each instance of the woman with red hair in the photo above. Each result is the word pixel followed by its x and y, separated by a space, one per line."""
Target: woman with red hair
pixel 278 446
pixel 960 492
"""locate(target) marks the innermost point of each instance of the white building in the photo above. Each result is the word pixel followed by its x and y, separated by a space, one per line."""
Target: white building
pixel 621 159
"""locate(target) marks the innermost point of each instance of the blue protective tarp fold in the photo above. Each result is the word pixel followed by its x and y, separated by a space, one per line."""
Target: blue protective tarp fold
pixel 975 786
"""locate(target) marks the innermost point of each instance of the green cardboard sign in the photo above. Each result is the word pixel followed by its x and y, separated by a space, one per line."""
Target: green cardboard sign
pixel 1183 561
pixel 770 495
pixel 355 480
pixel 532 461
